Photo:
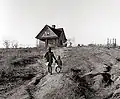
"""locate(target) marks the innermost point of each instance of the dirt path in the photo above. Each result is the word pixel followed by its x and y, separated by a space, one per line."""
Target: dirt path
pixel 46 85
pixel 51 83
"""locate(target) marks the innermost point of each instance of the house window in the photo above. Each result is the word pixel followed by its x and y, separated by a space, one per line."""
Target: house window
pixel 47 33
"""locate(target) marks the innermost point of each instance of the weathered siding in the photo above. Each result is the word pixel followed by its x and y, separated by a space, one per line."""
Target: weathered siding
pixel 49 34
pixel 52 41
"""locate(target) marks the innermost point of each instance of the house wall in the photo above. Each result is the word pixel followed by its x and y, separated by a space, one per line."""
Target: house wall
pixel 60 42
pixel 57 43
pixel 53 42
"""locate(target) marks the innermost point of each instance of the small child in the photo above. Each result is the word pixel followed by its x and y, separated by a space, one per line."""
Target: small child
pixel 59 63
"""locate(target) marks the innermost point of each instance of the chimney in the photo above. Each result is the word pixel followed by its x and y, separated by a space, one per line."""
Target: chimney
pixel 53 26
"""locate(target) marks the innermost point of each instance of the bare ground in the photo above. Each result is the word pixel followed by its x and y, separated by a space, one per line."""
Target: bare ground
pixel 61 86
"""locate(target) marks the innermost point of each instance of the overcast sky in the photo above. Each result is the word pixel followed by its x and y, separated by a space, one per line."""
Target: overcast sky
pixel 87 21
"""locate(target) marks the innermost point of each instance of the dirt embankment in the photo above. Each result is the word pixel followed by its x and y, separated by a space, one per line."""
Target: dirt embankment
pixel 83 85
pixel 17 66
pixel 89 60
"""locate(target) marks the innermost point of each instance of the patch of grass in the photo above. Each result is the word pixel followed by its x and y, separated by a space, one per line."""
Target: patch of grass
pixel 14 68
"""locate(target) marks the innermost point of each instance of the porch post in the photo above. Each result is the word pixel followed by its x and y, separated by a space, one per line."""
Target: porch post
pixel 46 43
pixel 56 42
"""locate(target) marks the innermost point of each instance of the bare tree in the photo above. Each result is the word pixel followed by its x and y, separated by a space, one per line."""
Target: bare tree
pixel 71 41
pixel 14 44
pixel 6 43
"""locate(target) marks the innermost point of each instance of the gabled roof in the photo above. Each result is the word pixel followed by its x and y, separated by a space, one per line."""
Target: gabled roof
pixel 62 34
pixel 58 32
pixel 40 33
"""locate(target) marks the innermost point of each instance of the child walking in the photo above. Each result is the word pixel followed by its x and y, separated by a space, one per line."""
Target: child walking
pixel 59 63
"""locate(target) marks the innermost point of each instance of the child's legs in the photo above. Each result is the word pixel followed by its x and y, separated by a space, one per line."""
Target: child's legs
pixel 50 68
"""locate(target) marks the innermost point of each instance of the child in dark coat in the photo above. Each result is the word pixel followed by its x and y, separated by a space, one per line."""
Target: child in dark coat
pixel 49 57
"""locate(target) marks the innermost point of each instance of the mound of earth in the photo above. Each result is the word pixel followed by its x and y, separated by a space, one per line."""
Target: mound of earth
pixel 79 79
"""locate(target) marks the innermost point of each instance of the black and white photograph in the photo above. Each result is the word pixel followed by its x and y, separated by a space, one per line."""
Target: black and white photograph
pixel 59 49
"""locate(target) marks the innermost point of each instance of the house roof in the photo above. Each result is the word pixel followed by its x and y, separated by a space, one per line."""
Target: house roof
pixel 59 32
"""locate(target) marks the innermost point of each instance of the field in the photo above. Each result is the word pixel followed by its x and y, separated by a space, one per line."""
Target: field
pixel 15 67
pixel 26 69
